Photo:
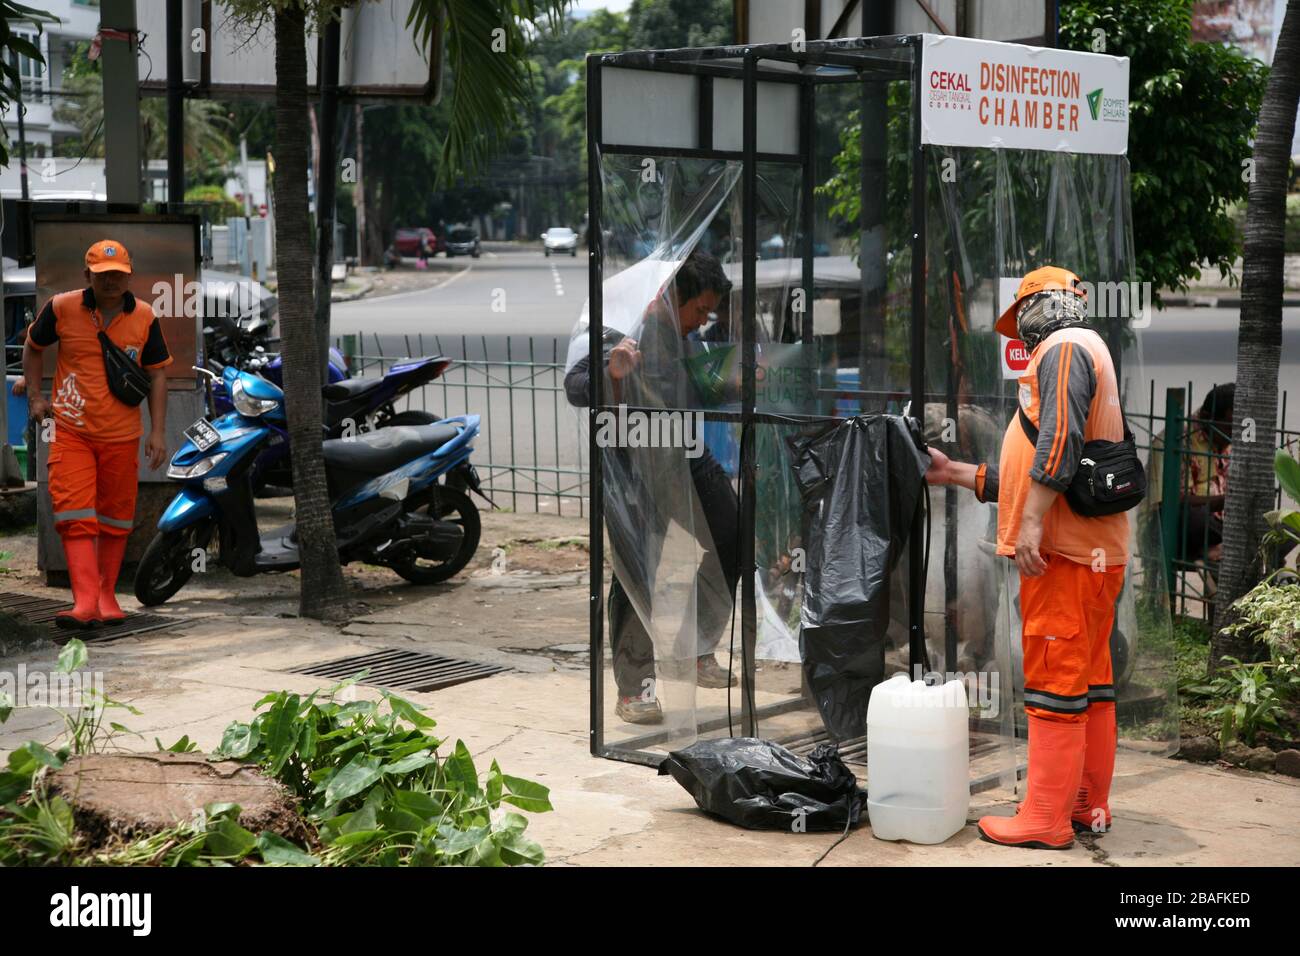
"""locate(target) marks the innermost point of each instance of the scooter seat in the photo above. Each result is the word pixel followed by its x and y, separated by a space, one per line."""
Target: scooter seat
pixel 373 453
pixel 349 388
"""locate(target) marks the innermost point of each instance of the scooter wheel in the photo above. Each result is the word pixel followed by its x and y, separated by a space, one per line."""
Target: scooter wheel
pixel 452 506
pixel 168 563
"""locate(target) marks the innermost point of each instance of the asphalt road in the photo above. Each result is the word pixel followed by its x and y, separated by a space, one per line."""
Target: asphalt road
pixel 521 306
pixel 521 294
pixel 515 293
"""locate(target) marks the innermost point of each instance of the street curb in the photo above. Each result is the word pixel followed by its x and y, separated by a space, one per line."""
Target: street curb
pixel 1212 301
pixel 352 296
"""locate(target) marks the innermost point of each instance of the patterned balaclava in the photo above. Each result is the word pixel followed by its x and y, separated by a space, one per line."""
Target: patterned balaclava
pixel 1045 312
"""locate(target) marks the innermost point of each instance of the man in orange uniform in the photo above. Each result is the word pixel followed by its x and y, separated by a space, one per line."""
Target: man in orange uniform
pixel 94 438
pixel 1071 567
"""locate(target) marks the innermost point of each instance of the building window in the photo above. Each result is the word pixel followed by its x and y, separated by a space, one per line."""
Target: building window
pixel 30 71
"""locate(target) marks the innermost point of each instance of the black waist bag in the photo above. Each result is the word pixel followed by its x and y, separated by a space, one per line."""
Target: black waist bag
pixel 127 381
pixel 1110 478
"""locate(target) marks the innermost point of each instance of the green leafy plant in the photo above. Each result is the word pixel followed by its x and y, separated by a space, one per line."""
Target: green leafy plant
pixel 85 725
pixel 372 782
pixel 368 775
pixel 1271 612
pixel 1193 108
pixel 1284 524
pixel 1252 697
pixel 212 837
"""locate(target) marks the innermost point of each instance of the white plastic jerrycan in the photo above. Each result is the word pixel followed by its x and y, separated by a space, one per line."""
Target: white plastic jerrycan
pixel 918 760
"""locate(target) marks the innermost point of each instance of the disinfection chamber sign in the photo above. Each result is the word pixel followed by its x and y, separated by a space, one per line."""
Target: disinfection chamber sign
pixel 981 93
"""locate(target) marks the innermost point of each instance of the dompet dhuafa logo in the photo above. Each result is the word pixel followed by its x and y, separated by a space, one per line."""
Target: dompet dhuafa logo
pixel 1094 102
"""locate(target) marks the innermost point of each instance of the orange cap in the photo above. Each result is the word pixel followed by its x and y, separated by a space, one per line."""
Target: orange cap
pixel 1040 280
pixel 108 255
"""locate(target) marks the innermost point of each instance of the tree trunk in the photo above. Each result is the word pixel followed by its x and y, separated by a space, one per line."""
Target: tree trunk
pixel 323 592
pixel 1259 343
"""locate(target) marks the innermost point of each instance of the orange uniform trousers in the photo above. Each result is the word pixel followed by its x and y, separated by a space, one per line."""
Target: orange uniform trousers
pixel 1066 616
pixel 92 484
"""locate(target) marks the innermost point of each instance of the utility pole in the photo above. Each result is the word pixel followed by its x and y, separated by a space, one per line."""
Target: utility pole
pixel 327 166
pixel 175 105
pixel 121 102
pixel 22 141
pixel 359 190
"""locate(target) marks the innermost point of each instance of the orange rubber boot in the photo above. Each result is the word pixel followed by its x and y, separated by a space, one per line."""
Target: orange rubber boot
pixel 83 574
pixel 1056 751
pixel 111 549
pixel 1092 806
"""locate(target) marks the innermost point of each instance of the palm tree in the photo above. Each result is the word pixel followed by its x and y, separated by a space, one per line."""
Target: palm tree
pixel 1259 343
pixel 487 54
pixel 322 593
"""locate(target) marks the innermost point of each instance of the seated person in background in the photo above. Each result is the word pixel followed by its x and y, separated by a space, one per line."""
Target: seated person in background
pixel 1206 446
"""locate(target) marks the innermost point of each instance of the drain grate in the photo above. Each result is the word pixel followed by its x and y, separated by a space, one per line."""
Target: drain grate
pixel 40 612
pixel 403 670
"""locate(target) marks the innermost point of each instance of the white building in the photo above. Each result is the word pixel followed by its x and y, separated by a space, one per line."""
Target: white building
pixel 78 24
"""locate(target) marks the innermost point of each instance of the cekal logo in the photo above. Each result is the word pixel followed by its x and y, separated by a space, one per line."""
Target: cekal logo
pixel 949 90
pixel 948 80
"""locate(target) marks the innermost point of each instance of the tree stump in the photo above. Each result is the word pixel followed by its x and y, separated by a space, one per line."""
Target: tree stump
pixel 125 796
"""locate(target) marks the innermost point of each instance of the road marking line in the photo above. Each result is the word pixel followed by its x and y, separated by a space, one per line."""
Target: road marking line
pixel 397 295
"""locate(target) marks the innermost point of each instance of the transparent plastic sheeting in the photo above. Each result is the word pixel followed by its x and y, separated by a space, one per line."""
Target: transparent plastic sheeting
pixel 992 215
pixel 670 507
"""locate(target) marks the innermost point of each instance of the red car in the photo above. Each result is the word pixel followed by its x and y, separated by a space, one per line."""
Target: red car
pixel 407 241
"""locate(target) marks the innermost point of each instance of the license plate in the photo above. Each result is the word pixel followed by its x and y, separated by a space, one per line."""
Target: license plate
pixel 203 435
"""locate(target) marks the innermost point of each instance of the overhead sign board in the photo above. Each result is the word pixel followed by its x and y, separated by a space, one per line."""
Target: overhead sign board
pixel 378 57
pixel 982 93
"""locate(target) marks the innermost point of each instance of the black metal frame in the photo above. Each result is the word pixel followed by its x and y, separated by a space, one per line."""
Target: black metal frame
pixel 852 55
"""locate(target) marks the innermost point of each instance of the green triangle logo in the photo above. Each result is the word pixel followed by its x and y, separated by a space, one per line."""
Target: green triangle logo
pixel 1094 102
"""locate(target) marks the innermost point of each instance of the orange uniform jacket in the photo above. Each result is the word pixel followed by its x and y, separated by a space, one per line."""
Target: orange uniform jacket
pixel 82 399
pixel 1070 392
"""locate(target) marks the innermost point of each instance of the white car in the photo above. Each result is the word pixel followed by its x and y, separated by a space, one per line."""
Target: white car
pixel 560 239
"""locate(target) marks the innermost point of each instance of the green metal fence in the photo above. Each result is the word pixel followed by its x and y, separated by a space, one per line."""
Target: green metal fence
pixel 1187 521
pixel 531 455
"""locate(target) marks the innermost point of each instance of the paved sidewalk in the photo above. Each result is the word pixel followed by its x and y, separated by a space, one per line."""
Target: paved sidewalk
pixel 533 720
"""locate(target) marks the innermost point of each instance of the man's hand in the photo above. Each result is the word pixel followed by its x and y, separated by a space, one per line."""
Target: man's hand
pixel 944 471
pixel 37 407
pixel 940 470
pixel 155 449
pixel 20 385
pixel 1028 559
pixel 623 358
pixel 1038 502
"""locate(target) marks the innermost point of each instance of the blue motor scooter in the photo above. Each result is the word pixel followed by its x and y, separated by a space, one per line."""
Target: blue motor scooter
pixel 389 507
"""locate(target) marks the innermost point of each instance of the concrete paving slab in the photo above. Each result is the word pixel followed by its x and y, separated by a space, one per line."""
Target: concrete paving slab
pixel 534 722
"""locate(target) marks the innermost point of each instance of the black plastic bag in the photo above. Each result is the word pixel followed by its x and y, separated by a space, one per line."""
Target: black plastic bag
pixel 861 481
pixel 761 785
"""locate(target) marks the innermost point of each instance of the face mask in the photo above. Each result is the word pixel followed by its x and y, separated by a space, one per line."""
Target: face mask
pixel 1043 313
